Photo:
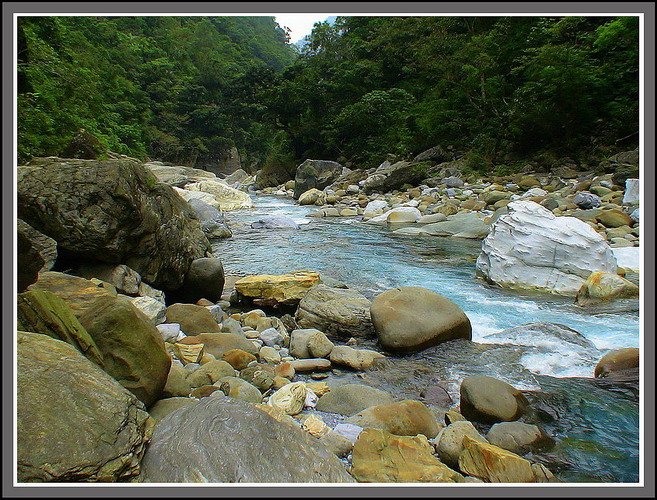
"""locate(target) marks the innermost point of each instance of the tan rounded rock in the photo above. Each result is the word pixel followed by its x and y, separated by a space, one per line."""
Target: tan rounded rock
pixel 409 319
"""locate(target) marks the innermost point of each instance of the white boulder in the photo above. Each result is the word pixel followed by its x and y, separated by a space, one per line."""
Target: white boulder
pixel 628 257
pixel 632 191
pixel 397 215
pixel 226 197
pixel 530 247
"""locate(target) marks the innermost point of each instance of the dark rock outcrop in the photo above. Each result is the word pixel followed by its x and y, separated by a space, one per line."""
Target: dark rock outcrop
pixel 112 211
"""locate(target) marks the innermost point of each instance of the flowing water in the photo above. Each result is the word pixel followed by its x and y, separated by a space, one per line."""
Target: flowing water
pixel 596 425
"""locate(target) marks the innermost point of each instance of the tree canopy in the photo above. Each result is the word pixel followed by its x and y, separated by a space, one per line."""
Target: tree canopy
pixel 188 89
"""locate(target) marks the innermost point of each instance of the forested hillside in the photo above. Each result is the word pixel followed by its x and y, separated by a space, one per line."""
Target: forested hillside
pixel 182 89
pixel 500 90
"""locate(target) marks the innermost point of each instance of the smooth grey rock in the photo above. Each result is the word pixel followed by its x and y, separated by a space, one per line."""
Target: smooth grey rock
pixel 274 222
pixel 241 444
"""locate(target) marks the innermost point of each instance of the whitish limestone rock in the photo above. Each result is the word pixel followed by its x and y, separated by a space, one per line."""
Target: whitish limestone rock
pixel 532 248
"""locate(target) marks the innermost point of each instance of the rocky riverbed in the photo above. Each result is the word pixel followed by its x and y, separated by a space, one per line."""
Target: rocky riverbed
pixel 247 338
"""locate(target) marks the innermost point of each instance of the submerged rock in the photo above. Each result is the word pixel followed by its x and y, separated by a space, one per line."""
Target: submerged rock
pixel 274 222
pixel 240 444
pixel 75 423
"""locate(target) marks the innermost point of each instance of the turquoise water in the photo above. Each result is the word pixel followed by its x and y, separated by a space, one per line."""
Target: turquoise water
pixel 371 259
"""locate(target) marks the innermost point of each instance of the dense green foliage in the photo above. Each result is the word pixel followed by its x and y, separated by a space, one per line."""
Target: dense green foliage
pixel 174 88
pixel 500 87
pixel 189 89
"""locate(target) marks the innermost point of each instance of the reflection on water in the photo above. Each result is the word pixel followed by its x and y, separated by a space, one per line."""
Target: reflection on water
pixel 599 428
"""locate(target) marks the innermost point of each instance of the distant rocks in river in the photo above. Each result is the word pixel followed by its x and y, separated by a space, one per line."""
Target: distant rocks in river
pixel 227 198
pixel 532 248
pixel 177 176
pixel 274 222
pixel 315 174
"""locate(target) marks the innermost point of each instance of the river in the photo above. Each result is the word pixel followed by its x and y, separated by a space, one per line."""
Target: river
pixel 597 428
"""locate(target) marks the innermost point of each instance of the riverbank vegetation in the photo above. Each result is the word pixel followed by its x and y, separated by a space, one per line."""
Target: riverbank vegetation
pixel 499 90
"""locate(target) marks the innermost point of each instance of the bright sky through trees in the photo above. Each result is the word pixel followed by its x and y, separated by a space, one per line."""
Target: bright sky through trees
pixel 300 24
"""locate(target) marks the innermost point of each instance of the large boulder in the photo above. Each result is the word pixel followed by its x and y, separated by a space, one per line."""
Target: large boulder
pixel 240 444
pixel 389 177
pixel 213 222
pixel 349 399
pixel 532 248
pixel 337 312
pixel 177 176
pixel 45 246
pixel 267 289
pixel 487 399
pixel 381 457
pixel 409 319
pixel 29 262
pixel 75 423
pixel 204 280
pixel 132 347
pixel 44 312
pixel 227 198
pixel 79 293
pixel 315 174
pixel 112 211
